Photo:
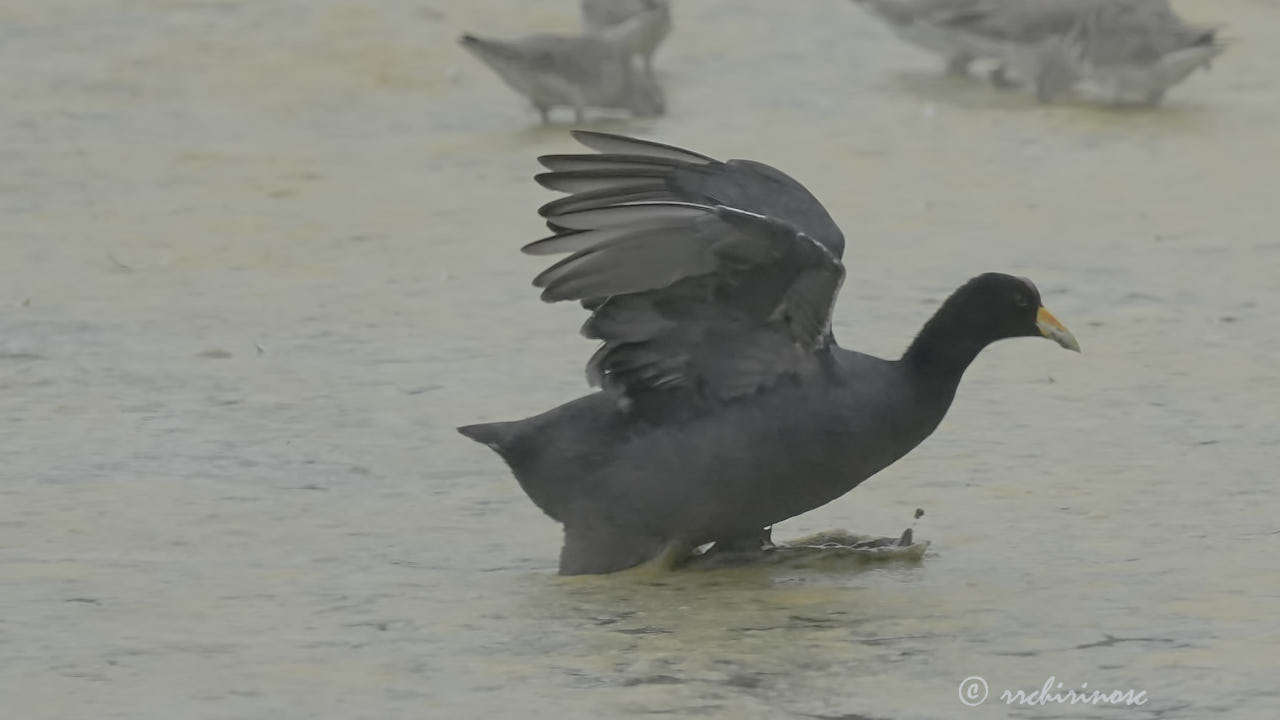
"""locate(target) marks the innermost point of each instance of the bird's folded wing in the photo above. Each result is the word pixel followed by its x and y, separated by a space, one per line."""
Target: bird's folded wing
pixel 1024 21
pixel 1138 33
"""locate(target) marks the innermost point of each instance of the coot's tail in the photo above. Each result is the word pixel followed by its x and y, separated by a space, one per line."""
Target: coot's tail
pixel 529 459
pixel 497 435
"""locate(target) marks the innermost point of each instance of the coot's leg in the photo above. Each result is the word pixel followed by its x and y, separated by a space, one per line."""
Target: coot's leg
pixel 750 542
pixel 673 555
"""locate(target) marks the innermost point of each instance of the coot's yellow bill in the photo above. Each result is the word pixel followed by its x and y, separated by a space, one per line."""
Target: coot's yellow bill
pixel 1054 330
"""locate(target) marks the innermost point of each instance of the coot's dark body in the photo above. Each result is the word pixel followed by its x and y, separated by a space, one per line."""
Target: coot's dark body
pixel 625 487
pixel 724 411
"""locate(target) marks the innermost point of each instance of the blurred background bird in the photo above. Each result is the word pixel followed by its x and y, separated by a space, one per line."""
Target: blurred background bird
pixel 640 25
pixel 577 71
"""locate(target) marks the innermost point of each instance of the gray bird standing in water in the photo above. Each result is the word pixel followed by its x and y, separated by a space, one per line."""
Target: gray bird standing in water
pixel 575 71
pixel 936 26
pixel 725 404
pixel 1127 49
pixel 644 24
pixel 1130 51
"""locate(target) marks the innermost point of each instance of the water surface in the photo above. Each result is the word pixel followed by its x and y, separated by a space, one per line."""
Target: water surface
pixel 259 258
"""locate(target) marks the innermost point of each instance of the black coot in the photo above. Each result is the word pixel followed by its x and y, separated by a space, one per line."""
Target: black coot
pixel 725 403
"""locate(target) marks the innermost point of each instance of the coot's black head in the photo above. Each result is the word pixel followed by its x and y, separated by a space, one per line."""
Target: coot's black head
pixel 990 307
pixel 1000 306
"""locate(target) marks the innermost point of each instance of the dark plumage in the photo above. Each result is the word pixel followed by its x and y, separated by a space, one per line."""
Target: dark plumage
pixel 725 403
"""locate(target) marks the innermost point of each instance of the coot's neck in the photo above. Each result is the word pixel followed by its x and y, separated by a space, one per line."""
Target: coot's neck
pixel 945 346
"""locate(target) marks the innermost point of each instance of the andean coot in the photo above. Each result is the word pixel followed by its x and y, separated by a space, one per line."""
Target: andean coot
pixel 725 404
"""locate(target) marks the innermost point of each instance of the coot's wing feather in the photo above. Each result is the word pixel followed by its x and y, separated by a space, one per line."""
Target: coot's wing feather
pixel 709 302
pixel 629 170
pixel 707 280
pixel 693 298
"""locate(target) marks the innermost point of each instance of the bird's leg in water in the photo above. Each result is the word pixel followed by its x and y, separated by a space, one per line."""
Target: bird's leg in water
pixel 1058 71
pixel 545 112
pixel 745 547
pixel 1000 78
pixel 959 65
pixel 1153 98
pixel 672 556
pixel 751 542
pixel 1048 87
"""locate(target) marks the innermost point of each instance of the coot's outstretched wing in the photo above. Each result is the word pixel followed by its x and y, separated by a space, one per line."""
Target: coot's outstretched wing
pixel 628 170
pixel 707 281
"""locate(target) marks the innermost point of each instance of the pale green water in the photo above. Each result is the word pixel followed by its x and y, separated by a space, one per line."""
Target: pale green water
pixel 296 531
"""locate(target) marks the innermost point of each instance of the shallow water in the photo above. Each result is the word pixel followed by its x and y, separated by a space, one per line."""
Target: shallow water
pixel 260 258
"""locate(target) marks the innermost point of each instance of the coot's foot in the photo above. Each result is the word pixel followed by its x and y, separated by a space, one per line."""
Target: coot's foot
pixel 752 542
